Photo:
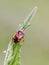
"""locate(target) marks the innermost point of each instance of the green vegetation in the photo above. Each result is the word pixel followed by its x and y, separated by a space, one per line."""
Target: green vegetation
pixel 12 56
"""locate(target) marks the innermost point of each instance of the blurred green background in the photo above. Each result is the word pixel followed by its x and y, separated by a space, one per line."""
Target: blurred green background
pixel 35 48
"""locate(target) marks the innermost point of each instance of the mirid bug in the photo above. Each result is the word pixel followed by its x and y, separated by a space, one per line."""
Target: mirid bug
pixel 18 36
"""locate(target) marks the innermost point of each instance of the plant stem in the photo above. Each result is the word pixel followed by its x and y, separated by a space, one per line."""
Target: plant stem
pixel 12 56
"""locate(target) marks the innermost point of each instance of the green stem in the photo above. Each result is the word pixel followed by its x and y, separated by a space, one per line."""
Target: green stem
pixel 28 18
pixel 13 52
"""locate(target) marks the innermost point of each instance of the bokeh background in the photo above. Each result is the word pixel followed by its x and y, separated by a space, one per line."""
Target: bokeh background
pixel 35 48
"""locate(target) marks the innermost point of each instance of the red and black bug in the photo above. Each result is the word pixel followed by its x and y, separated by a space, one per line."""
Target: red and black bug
pixel 18 36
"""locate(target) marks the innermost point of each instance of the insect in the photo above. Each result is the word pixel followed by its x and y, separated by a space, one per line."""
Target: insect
pixel 18 36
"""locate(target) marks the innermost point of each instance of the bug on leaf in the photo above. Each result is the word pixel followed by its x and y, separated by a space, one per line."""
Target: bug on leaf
pixel 18 36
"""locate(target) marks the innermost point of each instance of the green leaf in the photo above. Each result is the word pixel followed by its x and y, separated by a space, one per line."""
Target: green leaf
pixel 12 56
